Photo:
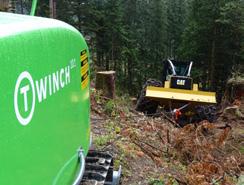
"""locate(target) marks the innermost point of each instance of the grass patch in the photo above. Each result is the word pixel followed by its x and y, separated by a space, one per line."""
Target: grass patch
pixel 101 141
pixel 242 150
pixel 109 107
pixel 156 182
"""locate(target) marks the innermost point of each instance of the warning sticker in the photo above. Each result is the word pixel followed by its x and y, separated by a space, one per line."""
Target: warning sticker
pixel 84 70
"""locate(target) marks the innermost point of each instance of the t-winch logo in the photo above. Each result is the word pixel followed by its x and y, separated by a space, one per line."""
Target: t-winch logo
pixel 27 91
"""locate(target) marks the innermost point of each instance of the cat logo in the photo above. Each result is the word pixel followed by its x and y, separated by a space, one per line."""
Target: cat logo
pixel 180 82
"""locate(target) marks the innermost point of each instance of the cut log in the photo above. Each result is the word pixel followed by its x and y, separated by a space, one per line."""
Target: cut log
pixel 4 5
pixel 105 81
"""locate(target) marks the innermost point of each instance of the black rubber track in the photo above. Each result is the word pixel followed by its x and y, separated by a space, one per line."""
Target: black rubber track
pixel 206 112
pixel 146 105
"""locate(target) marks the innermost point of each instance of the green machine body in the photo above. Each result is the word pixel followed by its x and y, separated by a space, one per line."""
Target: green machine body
pixel 44 100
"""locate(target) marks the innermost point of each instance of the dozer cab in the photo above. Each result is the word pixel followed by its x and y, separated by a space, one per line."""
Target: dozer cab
pixel 177 94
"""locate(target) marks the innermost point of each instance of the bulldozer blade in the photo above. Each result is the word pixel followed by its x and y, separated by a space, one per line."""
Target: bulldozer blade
pixel 165 94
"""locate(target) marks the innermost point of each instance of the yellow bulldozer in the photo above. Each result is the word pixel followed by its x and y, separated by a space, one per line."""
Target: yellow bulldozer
pixel 177 95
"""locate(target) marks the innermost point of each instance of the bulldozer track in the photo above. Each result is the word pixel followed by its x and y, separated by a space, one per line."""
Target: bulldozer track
pixel 144 104
pixel 99 169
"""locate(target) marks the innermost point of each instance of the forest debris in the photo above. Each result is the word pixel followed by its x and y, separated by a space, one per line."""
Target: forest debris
pixel 197 143
pixel 203 173
pixel 140 153
pixel 210 153
pixel 223 136
pixel 205 144
pixel 236 81
pixel 233 112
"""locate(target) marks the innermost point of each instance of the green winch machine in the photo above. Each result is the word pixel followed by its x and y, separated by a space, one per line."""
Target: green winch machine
pixel 45 106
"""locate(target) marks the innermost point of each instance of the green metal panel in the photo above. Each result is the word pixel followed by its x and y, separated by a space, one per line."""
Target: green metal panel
pixel 44 109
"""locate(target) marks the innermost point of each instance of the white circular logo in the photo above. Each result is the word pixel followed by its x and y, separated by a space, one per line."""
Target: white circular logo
pixel 24 91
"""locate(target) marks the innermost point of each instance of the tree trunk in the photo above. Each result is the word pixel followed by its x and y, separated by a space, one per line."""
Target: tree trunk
pixel 112 51
pixel 107 62
pixel 129 84
pixel 52 7
pixel 212 64
pixel 21 6
pixel 105 81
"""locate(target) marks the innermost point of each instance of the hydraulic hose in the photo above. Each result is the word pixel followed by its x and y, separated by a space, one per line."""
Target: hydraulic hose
pixel 172 66
pixel 82 167
pixel 189 70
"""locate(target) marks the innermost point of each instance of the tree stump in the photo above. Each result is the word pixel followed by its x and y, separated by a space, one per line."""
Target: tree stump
pixel 234 90
pixel 232 106
pixel 4 5
pixel 105 81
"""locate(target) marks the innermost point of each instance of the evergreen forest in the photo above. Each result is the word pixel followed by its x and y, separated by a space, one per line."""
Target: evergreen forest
pixel 134 37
